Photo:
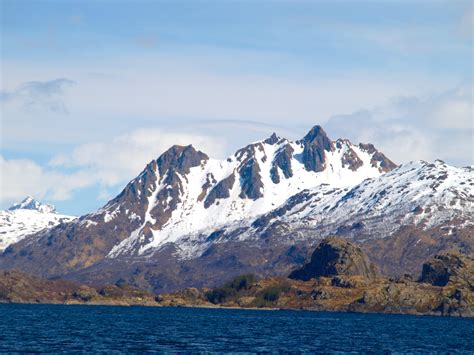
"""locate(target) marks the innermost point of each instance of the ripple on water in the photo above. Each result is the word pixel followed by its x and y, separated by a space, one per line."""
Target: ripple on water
pixel 42 328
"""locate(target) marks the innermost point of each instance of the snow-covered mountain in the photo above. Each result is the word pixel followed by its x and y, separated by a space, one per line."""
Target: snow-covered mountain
pixel 189 193
pixel 189 220
pixel 418 193
pixel 25 218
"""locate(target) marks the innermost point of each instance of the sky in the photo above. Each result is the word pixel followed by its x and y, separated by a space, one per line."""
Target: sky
pixel 91 91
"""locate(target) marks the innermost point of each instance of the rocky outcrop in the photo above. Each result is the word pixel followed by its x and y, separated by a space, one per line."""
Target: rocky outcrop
pixel 315 143
pixel 378 159
pixel 344 292
pixel 220 190
pixel 333 257
pixel 132 195
pixel 250 180
pixel 249 171
pixel 282 161
pixel 349 159
pixel 448 268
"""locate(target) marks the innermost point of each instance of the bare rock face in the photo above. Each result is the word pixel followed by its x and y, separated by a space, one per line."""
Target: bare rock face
pixel 350 159
pixel 448 268
pixel 282 160
pixel 249 171
pixel 333 257
pixel 251 180
pixel 378 158
pixel 316 142
pixel 220 191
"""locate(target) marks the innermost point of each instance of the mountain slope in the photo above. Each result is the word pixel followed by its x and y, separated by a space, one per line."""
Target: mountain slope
pixel 25 218
pixel 188 219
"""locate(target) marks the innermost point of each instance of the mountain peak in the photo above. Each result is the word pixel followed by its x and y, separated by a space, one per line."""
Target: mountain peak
pixel 317 133
pixel 182 158
pixel 29 203
pixel 273 139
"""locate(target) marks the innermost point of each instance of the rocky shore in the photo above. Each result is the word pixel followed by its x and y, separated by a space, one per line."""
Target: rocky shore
pixel 339 277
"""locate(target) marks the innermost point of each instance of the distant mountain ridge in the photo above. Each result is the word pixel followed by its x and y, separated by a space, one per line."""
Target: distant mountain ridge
pixel 189 220
pixel 27 217
pixel 29 203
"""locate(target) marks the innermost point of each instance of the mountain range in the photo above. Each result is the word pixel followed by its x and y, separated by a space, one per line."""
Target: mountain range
pixel 190 220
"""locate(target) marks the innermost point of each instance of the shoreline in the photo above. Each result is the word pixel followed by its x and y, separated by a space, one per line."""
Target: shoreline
pixel 266 309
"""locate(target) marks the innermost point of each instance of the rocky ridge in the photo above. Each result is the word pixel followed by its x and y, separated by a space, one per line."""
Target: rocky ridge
pixel 335 256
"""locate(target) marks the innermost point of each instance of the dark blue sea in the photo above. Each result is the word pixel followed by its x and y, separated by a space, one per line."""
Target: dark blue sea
pixel 58 328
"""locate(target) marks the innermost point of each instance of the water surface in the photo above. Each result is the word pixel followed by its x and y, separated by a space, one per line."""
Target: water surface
pixel 41 328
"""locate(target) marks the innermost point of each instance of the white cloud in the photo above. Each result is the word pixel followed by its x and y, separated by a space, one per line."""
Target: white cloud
pixel 105 164
pixel 21 177
pixel 124 156
pixel 431 127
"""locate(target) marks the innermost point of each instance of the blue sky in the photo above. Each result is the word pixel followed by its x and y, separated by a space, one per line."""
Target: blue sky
pixel 92 90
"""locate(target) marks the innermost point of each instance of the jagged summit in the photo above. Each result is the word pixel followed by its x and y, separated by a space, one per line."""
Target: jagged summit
pixel 180 159
pixel 273 139
pixel 317 133
pixel 29 203
pixel 185 191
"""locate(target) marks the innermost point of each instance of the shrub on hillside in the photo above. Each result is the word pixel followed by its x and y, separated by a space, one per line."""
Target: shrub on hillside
pixel 230 289
pixel 269 295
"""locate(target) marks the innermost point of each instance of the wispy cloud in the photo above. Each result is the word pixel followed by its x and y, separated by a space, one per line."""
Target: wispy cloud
pixel 39 95
pixel 181 89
